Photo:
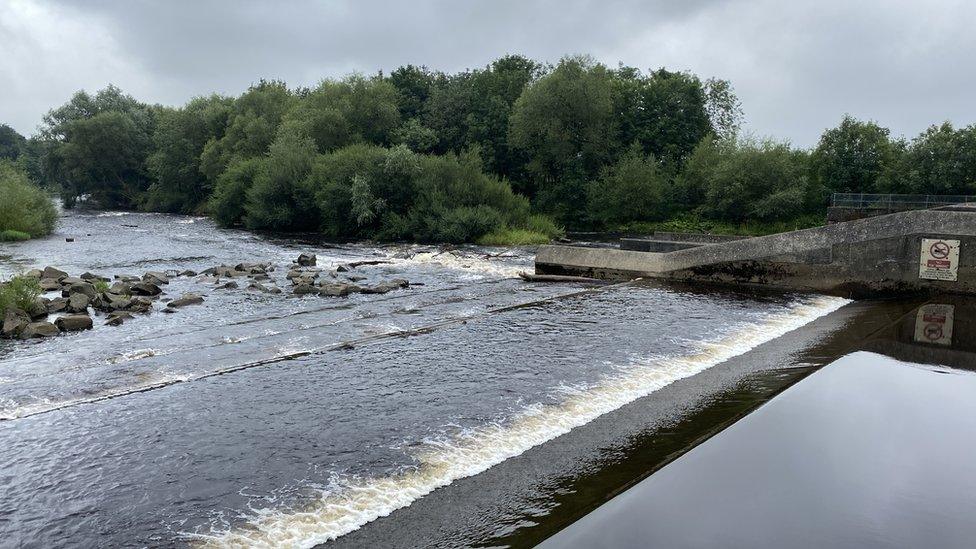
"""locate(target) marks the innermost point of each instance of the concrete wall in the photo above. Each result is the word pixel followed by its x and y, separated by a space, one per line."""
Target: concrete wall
pixel 876 256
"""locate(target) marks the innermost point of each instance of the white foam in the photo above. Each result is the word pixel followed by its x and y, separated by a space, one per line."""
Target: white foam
pixel 476 265
pixel 356 502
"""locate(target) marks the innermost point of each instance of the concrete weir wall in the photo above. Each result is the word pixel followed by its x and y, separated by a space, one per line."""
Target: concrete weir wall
pixel 866 257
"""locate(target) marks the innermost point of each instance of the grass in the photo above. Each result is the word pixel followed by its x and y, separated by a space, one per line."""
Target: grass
pixel 11 235
pixel 100 286
pixel 19 292
pixel 513 237
pixel 689 223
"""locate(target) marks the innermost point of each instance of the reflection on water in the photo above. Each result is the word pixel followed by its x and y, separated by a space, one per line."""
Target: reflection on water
pixel 870 451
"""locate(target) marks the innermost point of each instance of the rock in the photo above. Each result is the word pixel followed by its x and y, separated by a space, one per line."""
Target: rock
pixel 306 260
pixel 34 273
pixel 185 300
pixel 228 286
pixel 90 277
pixel 261 276
pixel 14 322
pixel 355 278
pixel 155 277
pixel 208 279
pixel 117 318
pixel 303 289
pixel 78 303
pixel 38 308
pixel 80 288
pixel 121 288
pixel 145 288
pixel 49 284
pixel 139 304
pixel 51 272
pixel 74 323
pixel 387 286
pixel 57 305
pixel 39 329
pixel 342 269
pixel 115 302
pixel 69 239
pixel 168 310
pixel 338 289
pixel 188 273
pixel 69 280
pixel 128 278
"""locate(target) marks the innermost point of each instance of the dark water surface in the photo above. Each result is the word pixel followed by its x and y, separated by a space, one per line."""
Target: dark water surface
pixel 869 451
pixel 326 413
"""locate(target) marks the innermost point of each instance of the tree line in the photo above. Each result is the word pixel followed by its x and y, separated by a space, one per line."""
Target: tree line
pixel 511 150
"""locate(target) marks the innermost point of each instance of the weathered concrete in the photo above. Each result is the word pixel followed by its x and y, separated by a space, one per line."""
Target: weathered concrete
pixel 879 255
pixel 651 245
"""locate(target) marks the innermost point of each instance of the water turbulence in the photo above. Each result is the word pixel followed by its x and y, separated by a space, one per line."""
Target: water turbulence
pixel 281 420
pixel 352 503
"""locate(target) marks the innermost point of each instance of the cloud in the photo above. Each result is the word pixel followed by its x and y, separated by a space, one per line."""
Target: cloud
pixel 797 66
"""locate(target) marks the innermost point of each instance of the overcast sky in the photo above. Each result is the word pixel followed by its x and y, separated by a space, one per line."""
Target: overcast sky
pixel 797 66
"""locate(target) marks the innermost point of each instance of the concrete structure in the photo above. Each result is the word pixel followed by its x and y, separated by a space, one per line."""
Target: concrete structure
pixel 862 258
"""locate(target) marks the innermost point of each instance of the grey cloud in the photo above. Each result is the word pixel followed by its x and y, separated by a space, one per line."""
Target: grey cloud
pixel 797 66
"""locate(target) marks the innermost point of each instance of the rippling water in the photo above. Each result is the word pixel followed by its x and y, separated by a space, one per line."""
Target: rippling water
pixel 276 420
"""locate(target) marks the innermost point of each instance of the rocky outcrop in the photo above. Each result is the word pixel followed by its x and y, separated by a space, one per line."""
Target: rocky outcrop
pixel 145 289
pixel 306 260
pixel 78 303
pixel 155 277
pixel 51 272
pixel 14 322
pixel 74 323
pixel 79 288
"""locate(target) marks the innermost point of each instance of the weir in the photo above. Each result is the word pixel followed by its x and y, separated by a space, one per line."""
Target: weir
pixel 930 250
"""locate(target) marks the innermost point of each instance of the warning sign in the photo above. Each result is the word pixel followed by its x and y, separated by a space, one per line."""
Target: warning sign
pixel 933 324
pixel 940 259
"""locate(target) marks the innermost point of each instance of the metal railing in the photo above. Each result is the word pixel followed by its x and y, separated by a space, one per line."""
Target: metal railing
pixel 896 202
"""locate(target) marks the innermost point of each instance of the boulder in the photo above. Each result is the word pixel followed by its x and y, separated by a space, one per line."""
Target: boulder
pixel 35 273
pixel 145 288
pixel 185 300
pixel 169 310
pixel 128 278
pixel 386 286
pixel 39 329
pixel 303 289
pixel 121 288
pixel 57 305
pixel 38 308
pixel 139 304
pixel 51 272
pixel 117 318
pixel 206 279
pixel 338 289
pixel 49 284
pixel 14 322
pixel 80 288
pixel 354 278
pixel 78 303
pixel 91 277
pixel 228 286
pixel 306 260
pixel 189 273
pixel 155 277
pixel 69 280
pixel 74 323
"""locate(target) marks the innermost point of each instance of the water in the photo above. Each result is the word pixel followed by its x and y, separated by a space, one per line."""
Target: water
pixel 274 420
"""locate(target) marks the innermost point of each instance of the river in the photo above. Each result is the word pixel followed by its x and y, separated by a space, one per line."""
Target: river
pixel 278 420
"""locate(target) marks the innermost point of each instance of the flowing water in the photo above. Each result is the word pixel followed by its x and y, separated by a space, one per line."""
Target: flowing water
pixel 276 420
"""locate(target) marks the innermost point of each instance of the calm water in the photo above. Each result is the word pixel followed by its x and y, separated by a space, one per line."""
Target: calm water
pixel 275 420
pixel 869 451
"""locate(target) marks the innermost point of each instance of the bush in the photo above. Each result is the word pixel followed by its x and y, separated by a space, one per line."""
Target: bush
pixel 633 189
pixel 13 236
pixel 24 208
pixel 227 201
pixel 514 237
pixel 19 292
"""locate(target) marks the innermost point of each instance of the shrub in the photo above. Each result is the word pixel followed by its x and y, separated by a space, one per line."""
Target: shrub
pixel 10 235
pixel 514 237
pixel 24 208
pixel 227 201
pixel 19 292
pixel 633 189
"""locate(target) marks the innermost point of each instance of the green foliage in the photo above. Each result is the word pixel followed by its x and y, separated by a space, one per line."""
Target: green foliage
pixel 942 160
pixel 632 189
pixel 279 198
pixel 230 192
pixel 415 136
pixel 11 143
pixel 10 235
pixel 24 208
pixel 854 157
pixel 738 180
pixel 100 286
pixel 695 223
pixel 19 292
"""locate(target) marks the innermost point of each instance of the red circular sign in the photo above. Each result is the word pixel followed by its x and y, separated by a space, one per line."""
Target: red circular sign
pixel 933 332
pixel 939 250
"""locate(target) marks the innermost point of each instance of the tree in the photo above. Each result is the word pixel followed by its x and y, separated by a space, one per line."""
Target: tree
pixel 632 189
pixel 672 117
pixel 564 121
pixel 11 143
pixel 942 160
pixel 854 157
pixel 413 87
pixel 99 147
pixel 723 107
pixel 180 137
pixel 280 199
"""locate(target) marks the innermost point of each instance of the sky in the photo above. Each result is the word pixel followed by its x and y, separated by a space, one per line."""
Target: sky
pixel 797 66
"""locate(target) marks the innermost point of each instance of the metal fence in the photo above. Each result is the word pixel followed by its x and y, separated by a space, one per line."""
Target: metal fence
pixel 896 202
